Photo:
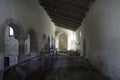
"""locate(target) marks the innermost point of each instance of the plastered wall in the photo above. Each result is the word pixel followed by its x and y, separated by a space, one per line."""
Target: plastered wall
pixel 30 15
pixel 79 33
pixel 11 44
pixel 102 33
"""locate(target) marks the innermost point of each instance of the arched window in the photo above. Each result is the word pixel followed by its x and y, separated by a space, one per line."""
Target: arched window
pixel 11 31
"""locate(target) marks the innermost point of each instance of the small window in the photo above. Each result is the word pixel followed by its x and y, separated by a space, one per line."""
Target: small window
pixel 11 32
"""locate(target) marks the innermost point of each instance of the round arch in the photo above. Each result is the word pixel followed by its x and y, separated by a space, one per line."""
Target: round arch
pixel 19 34
pixel 33 41
pixel 62 41
pixel 18 30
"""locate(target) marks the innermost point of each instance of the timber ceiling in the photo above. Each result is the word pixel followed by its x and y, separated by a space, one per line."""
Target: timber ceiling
pixel 66 13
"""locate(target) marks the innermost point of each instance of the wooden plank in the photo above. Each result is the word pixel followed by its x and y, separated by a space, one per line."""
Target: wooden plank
pixel 66 27
pixel 68 11
pixel 62 21
pixel 65 23
pixel 77 3
pixel 65 5
pixel 65 18
pixel 65 13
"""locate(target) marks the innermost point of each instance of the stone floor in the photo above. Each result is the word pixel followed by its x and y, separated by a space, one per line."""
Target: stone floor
pixel 74 68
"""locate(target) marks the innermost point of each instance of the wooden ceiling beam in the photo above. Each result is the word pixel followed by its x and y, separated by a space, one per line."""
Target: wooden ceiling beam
pixel 61 19
pixel 64 21
pixel 65 18
pixel 65 5
pixel 77 3
pixel 73 16
pixel 66 27
pixel 70 12
pixel 65 13
pixel 69 24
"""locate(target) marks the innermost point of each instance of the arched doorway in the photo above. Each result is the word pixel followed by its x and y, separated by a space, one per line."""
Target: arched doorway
pixel 33 43
pixel 11 47
pixel 62 41
pixel 46 44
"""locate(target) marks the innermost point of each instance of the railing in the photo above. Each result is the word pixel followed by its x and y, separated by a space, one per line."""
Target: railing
pixel 24 69
pixel 21 62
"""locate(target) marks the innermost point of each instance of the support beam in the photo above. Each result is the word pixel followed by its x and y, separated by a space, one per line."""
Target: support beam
pixel 77 3
pixel 77 18
pixel 66 27
pixel 65 13
pixel 65 18
pixel 65 5
pixel 62 21
pixel 68 24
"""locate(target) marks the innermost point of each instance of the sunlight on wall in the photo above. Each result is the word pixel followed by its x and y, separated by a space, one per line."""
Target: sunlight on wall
pixel 57 42
pixel 71 38
pixel 71 41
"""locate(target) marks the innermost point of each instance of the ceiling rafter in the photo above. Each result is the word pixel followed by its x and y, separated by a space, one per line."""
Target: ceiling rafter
pixel 68 21
pixel 68 14
pixel 77 18
pixel 68 25
pixel 77 3
pixel 65 5
pixel 64 21
pixel 65 18
pixel 64 26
